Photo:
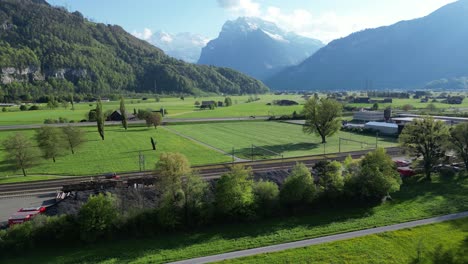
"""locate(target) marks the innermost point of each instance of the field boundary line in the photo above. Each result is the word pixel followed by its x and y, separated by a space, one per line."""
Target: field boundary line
pixel 236 159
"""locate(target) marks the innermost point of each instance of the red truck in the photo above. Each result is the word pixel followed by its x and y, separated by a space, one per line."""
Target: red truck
pixel 25 214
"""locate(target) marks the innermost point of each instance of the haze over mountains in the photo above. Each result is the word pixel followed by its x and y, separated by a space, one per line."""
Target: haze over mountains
pixel 257 47
pixel 47 50
pixel 184 46
pixel 408 54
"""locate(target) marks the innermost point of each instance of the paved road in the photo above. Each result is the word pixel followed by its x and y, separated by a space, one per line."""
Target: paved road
pixel 117 123
pixel 10 205
pixel 320 240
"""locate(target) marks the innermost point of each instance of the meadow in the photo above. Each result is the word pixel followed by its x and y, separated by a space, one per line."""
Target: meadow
pixel 286 139
pixel 415 200
pixel 119 152
pixel 175 107
pixel 391 247
pixel 178 108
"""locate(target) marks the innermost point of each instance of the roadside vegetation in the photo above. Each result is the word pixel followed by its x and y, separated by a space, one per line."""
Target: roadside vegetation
pixel 433 244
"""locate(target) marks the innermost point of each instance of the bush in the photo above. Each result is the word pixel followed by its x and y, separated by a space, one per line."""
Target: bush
pixel 33 108
pixel 298 188
pixel 23 108
pixel 266 195
pixel 97 217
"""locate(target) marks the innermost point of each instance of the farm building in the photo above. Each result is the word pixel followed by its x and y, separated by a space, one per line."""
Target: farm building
pixel 117 116
pixel 369 116
pixel 383 128
pixel 206 104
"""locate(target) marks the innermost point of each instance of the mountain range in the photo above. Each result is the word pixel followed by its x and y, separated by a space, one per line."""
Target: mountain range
pixel 408 54
pixel 47 50
pixel 257 48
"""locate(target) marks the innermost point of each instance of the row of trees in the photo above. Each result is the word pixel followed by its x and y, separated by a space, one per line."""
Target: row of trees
pixel 186 200
pixel 431 139
pixel 52 142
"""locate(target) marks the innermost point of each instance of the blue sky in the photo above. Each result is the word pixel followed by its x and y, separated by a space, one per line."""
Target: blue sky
pixel 321 19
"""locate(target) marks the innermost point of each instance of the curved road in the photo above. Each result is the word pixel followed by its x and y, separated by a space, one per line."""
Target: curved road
pixel 320 240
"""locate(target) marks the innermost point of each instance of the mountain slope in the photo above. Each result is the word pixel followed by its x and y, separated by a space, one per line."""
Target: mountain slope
pixel 46 50
pixel 407 54
pixel 257 48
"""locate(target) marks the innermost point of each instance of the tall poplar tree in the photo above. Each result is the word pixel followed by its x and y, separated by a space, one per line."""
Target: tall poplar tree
pixel 100 118
pixel 123 113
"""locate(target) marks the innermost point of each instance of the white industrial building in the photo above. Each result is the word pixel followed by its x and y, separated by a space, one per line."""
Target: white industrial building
pixel 383 128
pixel 368 116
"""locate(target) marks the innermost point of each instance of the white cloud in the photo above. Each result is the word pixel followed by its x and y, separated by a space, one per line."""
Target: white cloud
pixel 241 7
pixel 328 25
pixel 145 35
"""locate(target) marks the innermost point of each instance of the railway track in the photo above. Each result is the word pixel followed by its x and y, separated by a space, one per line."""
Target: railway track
pixel 208 172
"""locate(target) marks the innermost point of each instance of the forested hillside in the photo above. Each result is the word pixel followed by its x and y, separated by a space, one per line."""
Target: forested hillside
pixel 47 50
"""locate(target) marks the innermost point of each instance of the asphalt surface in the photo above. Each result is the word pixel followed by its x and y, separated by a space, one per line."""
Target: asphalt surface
pixel 10 205
pixel 116 123
pixel 320 240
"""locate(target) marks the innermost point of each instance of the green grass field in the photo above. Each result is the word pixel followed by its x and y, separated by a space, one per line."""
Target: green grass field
pixel 118 153
pixel 391 247
pixel 413 201
pixel 176 108
pixel 287 139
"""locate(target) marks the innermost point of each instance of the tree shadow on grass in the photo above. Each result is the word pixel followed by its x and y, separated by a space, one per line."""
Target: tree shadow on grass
pixel 136 249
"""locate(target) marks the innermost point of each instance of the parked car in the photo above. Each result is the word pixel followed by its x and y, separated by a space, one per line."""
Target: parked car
pixel 25 214
pixel 402 163
pixel 112 175
pixel 406 172
pixel 440 167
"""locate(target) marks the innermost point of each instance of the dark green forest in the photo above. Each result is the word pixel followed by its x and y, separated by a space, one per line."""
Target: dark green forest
pixel 46 50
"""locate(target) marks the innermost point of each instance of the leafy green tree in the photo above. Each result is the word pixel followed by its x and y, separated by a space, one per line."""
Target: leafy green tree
pixel 459 141
pixel 322 117
pixel 197 199
pixel 377 177
pixel 50 141
pixel 74 137
pixel 153 119
pixel 100 118
pixel 266 195
pixel 228 101
pixel 97 216
pixel 123 112
pixel 298 188
pixel 171 167
pixel 375 106
pixel 431 107
pixel 330 177
pixel 65 104
pixel 425 138
pixel 234 192
pixel 20 151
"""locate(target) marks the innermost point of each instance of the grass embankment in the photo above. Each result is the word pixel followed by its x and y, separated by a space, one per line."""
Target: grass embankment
pixel 284 138
pixel 119 152
pixel 391 247
pixel 14 179
pixel 414 201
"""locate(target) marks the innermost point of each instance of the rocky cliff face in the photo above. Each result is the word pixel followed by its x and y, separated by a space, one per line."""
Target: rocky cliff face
pixel 33 73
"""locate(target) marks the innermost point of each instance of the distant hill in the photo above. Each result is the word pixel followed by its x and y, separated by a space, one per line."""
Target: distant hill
pixel 408 54
pixel 257 48
pixel 46 50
